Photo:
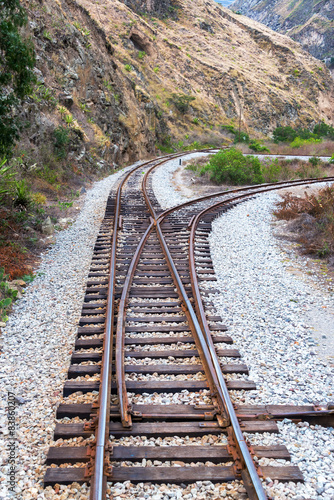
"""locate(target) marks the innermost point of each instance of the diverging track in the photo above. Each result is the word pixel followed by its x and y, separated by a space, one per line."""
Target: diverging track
pixel 151 360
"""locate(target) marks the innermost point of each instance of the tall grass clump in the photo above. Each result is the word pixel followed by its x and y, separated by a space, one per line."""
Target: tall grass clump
pixel 231 166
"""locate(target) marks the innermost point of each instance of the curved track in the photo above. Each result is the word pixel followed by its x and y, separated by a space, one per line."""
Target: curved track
pixel 144 338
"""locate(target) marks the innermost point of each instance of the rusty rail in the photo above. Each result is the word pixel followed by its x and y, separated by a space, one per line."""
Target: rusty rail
pixel 249 473
pixel 99 470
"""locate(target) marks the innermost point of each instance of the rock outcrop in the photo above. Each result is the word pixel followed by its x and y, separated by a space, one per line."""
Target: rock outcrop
pixel 109 71
pixel 309 23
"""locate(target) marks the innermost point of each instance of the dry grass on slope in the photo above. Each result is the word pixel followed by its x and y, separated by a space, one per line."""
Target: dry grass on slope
pixel 312 218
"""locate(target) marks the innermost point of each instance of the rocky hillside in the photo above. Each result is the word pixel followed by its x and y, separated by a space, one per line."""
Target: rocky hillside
pixel 309 22
pixel 116 78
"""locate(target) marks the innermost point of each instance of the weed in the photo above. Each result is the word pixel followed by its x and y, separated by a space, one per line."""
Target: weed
pixel 69 119
pixel 22 196
pixel 156 69
pixel 128 67
pixel 38 199
pixel 84 107
pixel 29 278
pixel 7 295
pixel 64 205
pixel 141 54
pixel 196 121
pixel 47 35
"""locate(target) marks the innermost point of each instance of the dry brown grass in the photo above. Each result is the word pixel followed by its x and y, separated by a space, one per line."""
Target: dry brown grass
pixel 324 148
pixel 312 219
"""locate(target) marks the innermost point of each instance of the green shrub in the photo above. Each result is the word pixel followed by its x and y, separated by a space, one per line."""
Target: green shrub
pixel 288 134
pixel 298 142
pixel 314 161
pixel 229 128
pixel 128 67
pixel 331 160
pixel 61 140
pixel 181 101
pixel 141 54
pixel 284 134
pixel 256 146
pixel 271 171
pixel 230 165
pixel 324 130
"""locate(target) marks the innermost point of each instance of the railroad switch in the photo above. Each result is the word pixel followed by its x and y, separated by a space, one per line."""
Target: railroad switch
pixel 91 451
pixel 92 424
pixel 89 469
pixel 136 414
pixel 107 467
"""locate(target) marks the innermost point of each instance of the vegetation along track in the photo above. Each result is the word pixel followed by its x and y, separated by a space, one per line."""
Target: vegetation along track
pixel 145 338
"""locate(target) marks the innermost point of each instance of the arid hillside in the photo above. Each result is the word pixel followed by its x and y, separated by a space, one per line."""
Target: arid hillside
pixel 127 76
pixel 309 22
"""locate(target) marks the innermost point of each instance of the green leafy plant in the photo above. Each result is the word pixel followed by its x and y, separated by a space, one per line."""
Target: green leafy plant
pixel 7 295
pixel 271 171
pixel 298 142
pixel 16 71
pixel 231 166
pixel 47 35
pixel 156 69
pixel 6 179
pixel 29 278
pixel 22 195
pixel 128 67
pixel 69 119
pixel 141 54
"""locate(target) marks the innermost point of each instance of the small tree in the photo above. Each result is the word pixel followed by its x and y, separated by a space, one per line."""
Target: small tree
pixel 17 60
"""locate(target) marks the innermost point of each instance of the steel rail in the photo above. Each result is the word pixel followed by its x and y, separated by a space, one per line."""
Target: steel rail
pixel 281 184
pixel 251 478
pixel 201 344
pixel 99 477
pixel 99 473
pixel 120 334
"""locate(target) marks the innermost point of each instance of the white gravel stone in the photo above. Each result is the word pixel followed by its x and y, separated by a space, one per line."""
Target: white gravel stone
pixel 37 344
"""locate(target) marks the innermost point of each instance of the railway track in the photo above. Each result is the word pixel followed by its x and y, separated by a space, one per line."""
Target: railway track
pixel 153 359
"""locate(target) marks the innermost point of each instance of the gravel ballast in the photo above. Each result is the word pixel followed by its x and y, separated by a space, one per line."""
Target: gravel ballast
pixel 40 334
pixel 37 344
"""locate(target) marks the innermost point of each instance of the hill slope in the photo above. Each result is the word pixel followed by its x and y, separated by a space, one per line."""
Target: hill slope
pixel 309 22
pixel 115 73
